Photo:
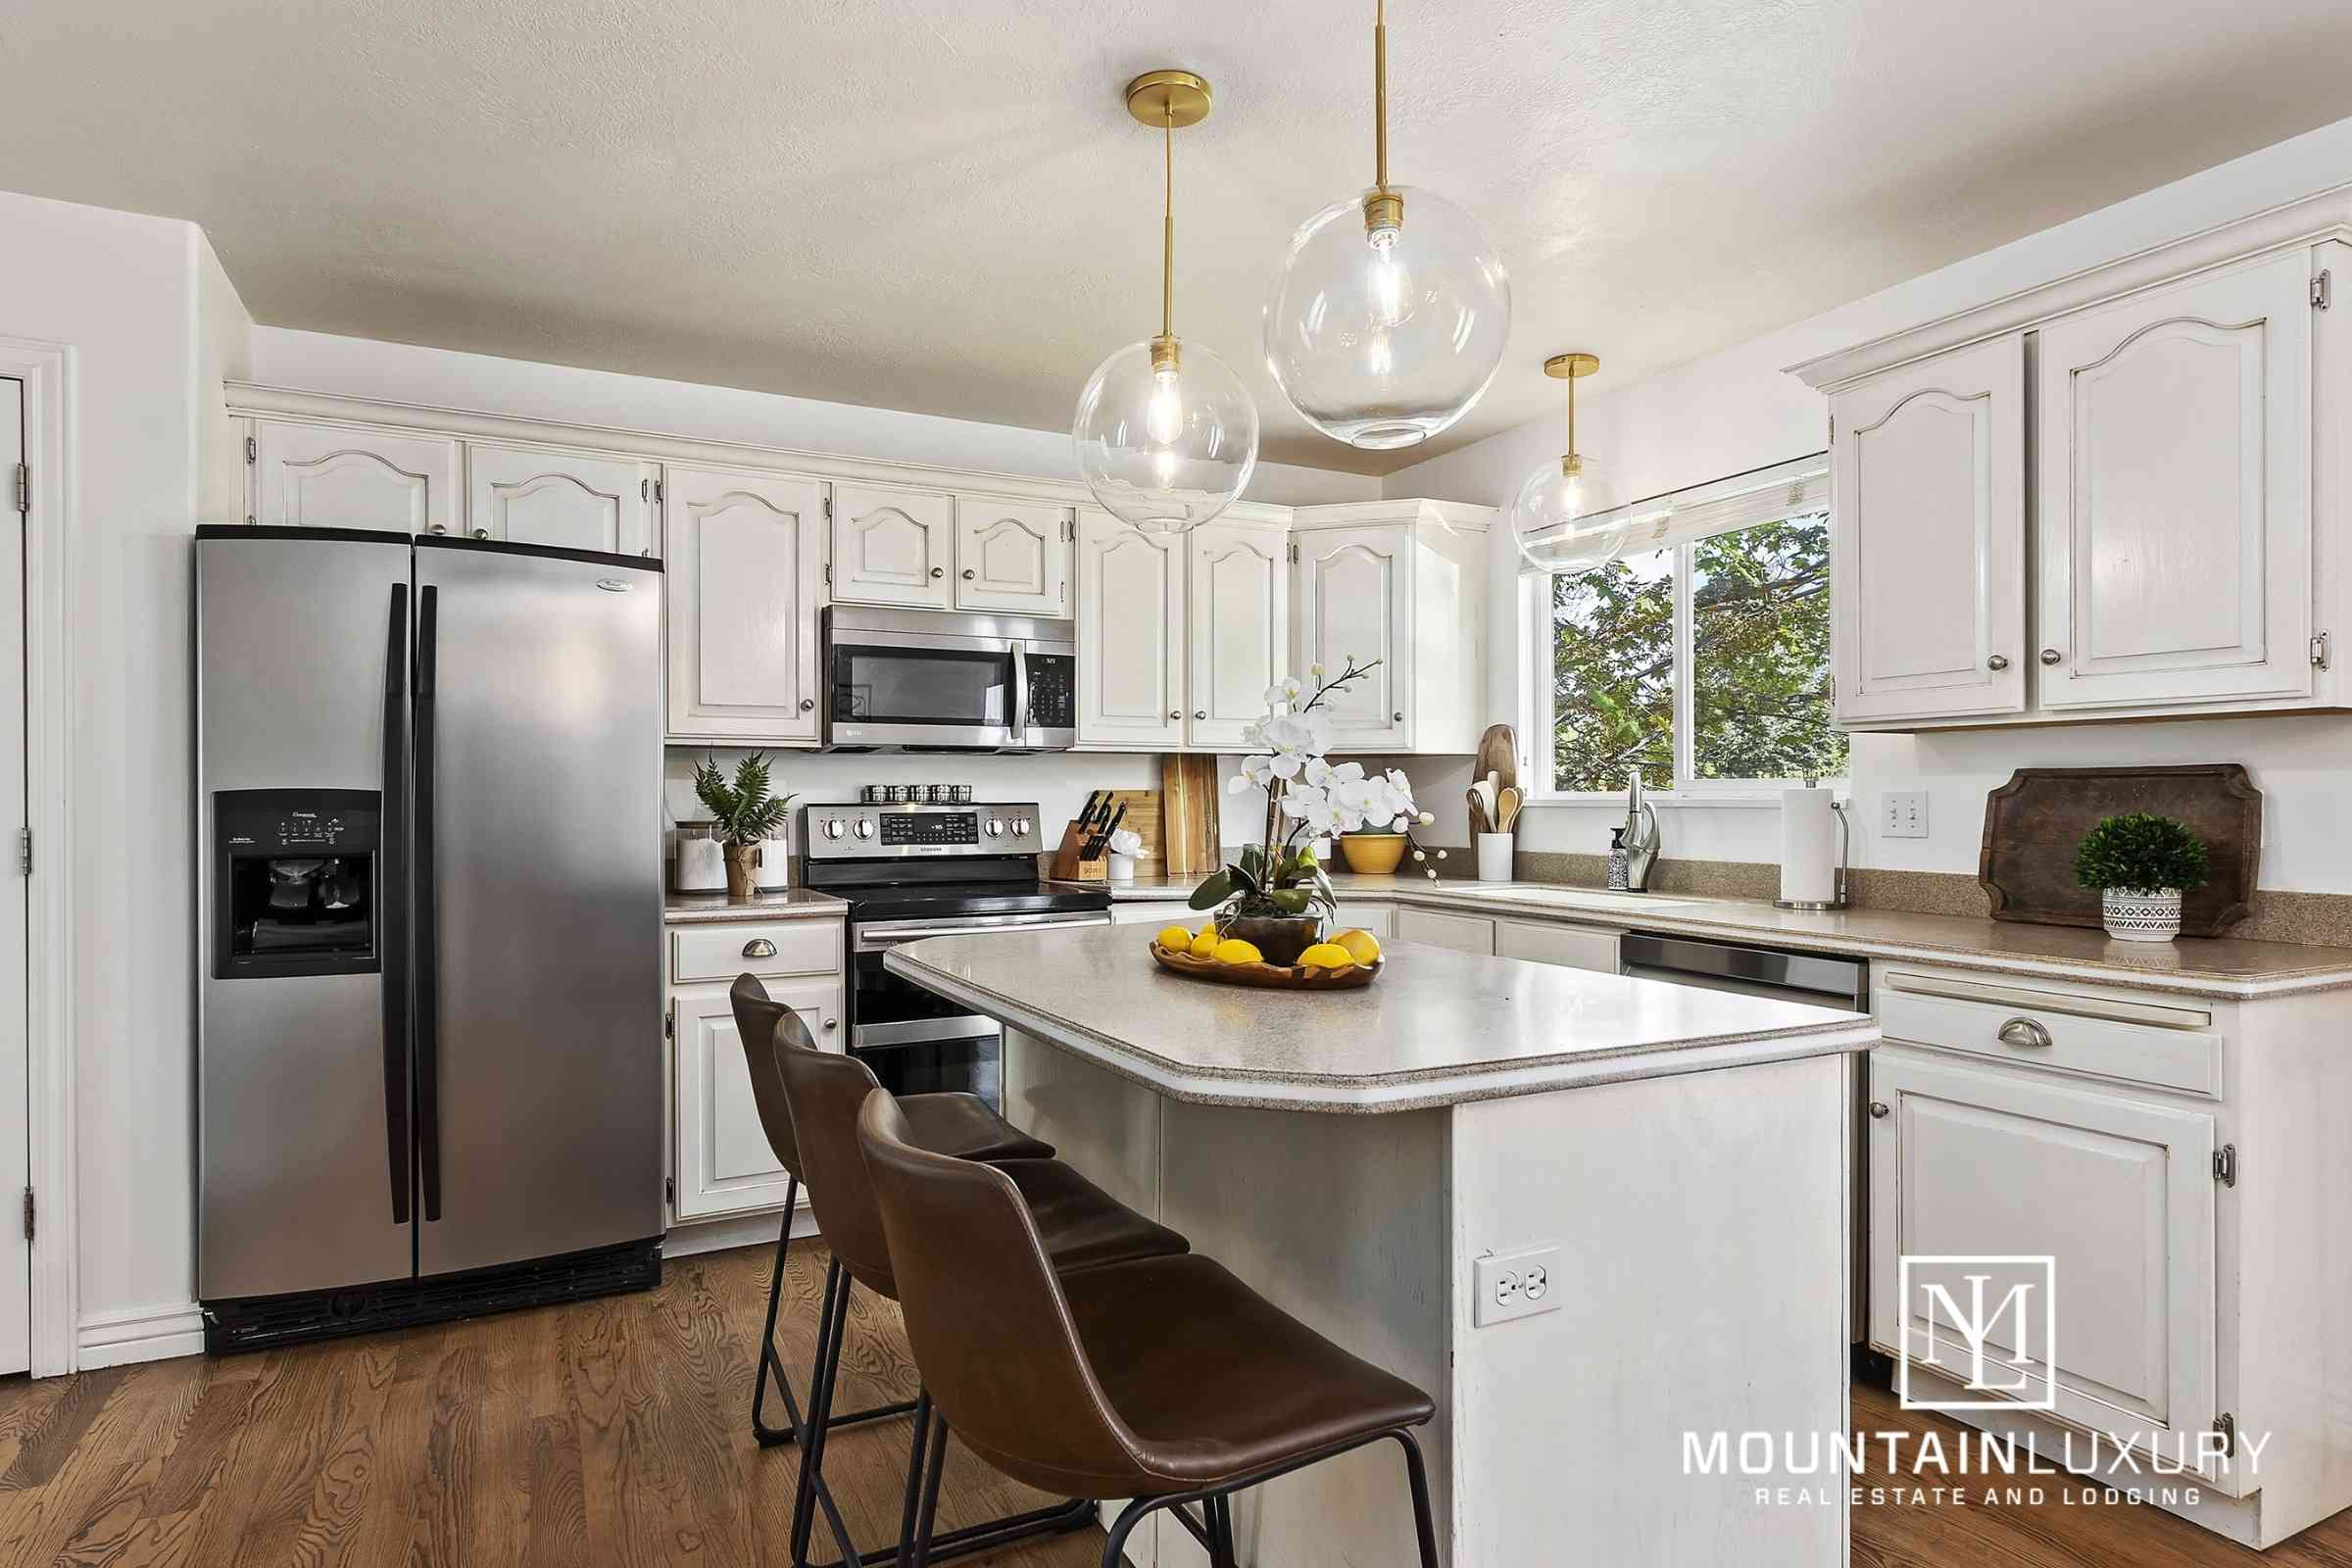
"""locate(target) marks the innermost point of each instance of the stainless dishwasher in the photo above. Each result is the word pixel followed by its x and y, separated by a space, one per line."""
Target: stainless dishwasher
pixel 1818 980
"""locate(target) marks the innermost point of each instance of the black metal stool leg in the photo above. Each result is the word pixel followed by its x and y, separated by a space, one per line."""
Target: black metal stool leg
pixel 771 1363
pixel 914 1476
pixel 1418 1476
pixel 918 1544
pixel 812 1493
pixel 1220 1514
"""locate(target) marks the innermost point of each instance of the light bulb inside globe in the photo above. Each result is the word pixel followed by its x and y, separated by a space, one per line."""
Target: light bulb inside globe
pixel 1164 421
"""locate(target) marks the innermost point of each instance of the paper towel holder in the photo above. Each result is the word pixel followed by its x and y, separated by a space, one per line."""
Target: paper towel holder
pixel 1841 899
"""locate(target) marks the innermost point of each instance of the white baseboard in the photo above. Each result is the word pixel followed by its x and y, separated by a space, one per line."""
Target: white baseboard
pixel 688 1238
pixel 139 1334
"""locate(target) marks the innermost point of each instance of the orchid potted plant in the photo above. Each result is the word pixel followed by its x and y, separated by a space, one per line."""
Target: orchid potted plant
pixel 1276 895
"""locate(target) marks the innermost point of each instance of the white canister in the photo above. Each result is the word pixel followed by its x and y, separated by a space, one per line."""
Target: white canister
pixel 702 864
pixel 1495 857
pixel 1121 868
pixel 774 867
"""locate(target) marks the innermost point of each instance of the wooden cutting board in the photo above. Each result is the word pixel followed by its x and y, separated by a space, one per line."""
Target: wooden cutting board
pixel 2034 824
pixel 1497 752
pixel 1190 841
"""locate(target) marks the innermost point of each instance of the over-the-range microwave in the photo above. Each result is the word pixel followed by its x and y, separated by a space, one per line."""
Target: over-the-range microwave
pixel 901 679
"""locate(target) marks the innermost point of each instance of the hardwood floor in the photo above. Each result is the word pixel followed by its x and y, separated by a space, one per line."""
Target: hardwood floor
pixel 616 1432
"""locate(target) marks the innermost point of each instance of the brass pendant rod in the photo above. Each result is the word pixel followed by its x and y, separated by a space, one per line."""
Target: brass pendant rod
pixel 1167 222
pixel 1570 455
pixel 1379 94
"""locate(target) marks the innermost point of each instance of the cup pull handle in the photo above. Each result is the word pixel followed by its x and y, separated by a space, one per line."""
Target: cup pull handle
pixel 758 947
pixel 2025 1032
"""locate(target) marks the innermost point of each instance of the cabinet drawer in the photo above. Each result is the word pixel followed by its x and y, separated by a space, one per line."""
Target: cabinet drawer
pixel 769 947
pixel 1461 932
pixel 1378 919
pixel 2130 1042
pixel 1572 947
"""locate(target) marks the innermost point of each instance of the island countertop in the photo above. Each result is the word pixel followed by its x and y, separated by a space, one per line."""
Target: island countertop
pixel 1437 1028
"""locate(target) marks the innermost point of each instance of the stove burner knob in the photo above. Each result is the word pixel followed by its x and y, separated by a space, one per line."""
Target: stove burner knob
pixel 864 828
pixel 995 830
pixel 832 827
pixel 1021 827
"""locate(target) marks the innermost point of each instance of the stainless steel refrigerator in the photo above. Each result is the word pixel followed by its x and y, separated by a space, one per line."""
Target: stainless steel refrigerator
pixel 430 777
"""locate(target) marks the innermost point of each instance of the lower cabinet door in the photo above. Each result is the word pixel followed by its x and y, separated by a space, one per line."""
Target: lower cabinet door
pixel 1571 946
pixel 1987 1173
pixel 724 1164
pixel 1465 933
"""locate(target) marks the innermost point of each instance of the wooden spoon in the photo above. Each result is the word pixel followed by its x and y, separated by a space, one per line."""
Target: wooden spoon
pixel 1507 809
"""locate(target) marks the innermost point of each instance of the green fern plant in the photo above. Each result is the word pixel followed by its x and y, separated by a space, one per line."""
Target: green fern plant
pixel 745 811
pixel 2143 851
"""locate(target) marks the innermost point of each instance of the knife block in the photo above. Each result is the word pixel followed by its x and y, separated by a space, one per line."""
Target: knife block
pixel 1067 867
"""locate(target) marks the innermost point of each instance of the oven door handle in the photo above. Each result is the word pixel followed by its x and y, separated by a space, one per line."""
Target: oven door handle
pixel 1020 696
pixel 889 933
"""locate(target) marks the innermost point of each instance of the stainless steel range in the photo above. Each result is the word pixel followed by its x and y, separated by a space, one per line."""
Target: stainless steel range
pixel 913 870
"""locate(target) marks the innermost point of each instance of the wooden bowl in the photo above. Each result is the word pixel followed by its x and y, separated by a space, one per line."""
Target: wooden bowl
pixel 1355 977
pixel 1372 854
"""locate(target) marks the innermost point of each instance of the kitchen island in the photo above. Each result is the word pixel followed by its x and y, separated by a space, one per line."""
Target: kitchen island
pixel 1675 1159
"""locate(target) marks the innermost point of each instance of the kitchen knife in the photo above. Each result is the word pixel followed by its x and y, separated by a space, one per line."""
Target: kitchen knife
pixel 1086 816
pixel 1095 846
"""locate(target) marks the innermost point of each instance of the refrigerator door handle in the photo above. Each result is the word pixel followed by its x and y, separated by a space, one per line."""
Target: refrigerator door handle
pixel 391 902
pixel 428 942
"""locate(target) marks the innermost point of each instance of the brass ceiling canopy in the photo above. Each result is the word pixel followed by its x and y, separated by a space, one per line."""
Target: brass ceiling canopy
pixel 1168 99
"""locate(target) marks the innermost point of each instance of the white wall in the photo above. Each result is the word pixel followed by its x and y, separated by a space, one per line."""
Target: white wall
pixel 1735 410
pixel 147 319
pixel 318 362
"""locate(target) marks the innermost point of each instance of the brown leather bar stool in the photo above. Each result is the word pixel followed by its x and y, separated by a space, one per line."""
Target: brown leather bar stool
pixel 1163 1379
pixel 1076 1225
pixel 948 1123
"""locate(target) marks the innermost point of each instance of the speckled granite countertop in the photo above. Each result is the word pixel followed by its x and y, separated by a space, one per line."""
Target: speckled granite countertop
pixel 1437 1028
pixel 784 903
pixel 2222 967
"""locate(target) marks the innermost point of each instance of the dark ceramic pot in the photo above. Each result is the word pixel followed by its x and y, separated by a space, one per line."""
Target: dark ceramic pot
pixel 1279 938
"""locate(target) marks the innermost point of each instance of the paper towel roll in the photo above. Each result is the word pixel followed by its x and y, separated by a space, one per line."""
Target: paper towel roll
pixel 1808 847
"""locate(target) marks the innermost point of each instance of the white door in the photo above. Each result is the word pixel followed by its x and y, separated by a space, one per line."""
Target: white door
pixel 555 497
pixel 893 546
pixel 1928 542
pixel 1968 1162
pixel 1012 556
pixel 16 1167
pixel 1130 635
pixel 2175 493
pixel 325 476
pixel 744 558
pixel 725 1163
pixel 1356 602
pixel 1240 639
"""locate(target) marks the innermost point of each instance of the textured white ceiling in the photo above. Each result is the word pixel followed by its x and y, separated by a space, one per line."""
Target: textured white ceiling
pixel 944 208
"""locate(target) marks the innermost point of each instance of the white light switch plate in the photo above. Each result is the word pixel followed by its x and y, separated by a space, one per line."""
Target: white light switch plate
pixel 1903 814
pixel 1513 1285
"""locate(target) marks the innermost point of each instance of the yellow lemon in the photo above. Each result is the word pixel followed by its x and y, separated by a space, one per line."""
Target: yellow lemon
pixel 1327 955
pixel 1362 946
pixel 1205 946
pixel 1176 939
pixel 1237 951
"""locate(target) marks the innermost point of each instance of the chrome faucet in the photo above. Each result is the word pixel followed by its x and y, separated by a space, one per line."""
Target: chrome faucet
pixel 1640 837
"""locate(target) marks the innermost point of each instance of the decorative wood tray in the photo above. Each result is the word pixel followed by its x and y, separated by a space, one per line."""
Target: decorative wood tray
pixel 1270 975
pixel 2034 824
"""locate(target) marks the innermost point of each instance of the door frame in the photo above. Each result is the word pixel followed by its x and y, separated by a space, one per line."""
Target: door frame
pixel 47 370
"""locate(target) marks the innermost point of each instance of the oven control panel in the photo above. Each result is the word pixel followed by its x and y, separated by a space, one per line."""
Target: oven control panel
pixel 861 832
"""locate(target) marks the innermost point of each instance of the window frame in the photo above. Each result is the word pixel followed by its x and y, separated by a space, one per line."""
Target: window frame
pixel 1534 613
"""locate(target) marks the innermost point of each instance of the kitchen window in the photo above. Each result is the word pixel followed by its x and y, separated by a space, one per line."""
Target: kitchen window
pixel 1701 656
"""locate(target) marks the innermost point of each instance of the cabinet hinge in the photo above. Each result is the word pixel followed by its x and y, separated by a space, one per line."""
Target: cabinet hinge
pixel 658 493
pixel 1293 555
pixel 23 852
pixel 29 1215
pixel 1833 429
pixel 669 1026
pixel 828 575
pixel 2224 1164
pixel 2319 652
pixel 2320 291
pixel 669 1191
pixel 253 450
pixel 828 505
pixel 645 489
pixel 24 489
pixel 2226 1425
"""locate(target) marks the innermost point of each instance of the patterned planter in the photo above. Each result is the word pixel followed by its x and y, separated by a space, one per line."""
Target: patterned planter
pixel 2141 915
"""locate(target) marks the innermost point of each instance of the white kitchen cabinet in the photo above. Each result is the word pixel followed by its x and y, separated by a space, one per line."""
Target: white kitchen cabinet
pixel 1571 946
pixel 2175 451
pixel 1402 585
pixel 1239 640
pixel 1378 919
pixel 565 499
pixel 335 476
pixel 1464 933
pixel 723 1163
pixel 1131 625
pixel 2118 1189
pixel 1013 556
pixel 742 556
pixel 1929 565
pixel 893 546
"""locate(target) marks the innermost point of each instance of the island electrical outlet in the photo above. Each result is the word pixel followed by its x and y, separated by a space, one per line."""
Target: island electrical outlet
pixel 1513 1285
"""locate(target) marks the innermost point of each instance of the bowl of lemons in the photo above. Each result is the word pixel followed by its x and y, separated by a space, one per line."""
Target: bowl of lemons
pixel 1342 961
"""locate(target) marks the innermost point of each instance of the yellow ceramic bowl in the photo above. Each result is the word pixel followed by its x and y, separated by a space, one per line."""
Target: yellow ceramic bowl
pixel 1372 854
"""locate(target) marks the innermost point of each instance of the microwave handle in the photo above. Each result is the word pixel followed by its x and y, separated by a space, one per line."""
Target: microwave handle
pixel 1018 726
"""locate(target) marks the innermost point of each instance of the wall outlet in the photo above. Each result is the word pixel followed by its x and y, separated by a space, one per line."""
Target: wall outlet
pixel 1903 814
pixel 1513 1285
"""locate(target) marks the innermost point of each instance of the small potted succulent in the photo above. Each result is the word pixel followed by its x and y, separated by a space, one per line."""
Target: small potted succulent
pixel 745 814
pixel 2140 864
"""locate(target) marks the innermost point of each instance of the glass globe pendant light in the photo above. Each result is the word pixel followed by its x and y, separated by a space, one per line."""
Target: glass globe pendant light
pixel 1549 517
pixel 1390 310
pixel 1166 434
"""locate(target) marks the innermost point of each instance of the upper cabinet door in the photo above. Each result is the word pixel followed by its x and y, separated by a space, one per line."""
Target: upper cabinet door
pixel 553 497
pixel 1928 585
pixel 1240 637
pixel 2175 494
pixel 1012 556
pixel 322 476
pixel 893 546
pixel 1356 602
pixel 1130 635
pixel 744 565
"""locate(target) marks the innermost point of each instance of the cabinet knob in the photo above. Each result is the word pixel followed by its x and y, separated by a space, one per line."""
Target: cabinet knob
pixel 1176 714
pixel 758 947
pixel 2052 655
pixel 1199 713
pixel 1877 1111
pixel 436 529
pixel 1997 662
pixel 1398 716
pixel 968 574
pixel 481 533
pixel 2025 1032
pixel 939 572
pixel 832 1024
pixel 808 704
